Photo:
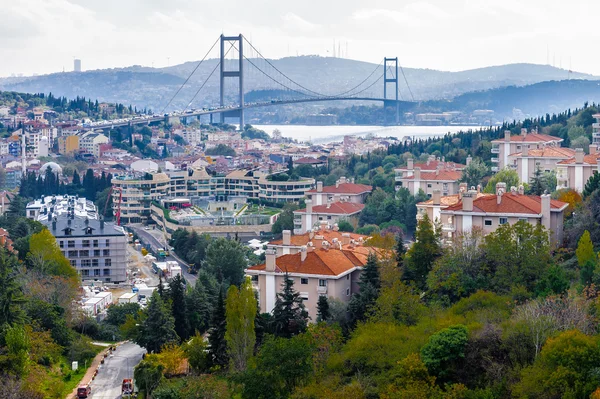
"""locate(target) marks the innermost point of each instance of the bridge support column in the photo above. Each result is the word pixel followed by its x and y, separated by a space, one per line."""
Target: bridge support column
pixel 238 42
pixel 390 75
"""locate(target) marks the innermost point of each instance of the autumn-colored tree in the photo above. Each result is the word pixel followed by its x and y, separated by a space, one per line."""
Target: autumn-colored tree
pixel 571 197
pixel 240 311
pixel 45 256
pixel 585 249
pixel 171 356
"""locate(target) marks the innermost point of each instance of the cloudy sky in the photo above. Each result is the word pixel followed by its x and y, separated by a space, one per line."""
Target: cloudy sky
pixel 43 36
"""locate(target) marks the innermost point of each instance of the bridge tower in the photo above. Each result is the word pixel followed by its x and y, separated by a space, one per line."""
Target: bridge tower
pixel 238 74
pixel 390 75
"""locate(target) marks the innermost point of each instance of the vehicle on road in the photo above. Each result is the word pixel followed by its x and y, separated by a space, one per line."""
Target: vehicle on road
pixel 127 386
pixel 84 391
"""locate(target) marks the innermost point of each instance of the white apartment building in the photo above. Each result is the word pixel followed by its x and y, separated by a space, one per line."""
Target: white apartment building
pixel 503 148
pixel 90 142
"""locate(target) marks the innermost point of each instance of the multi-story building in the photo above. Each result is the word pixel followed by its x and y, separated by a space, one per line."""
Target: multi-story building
pixel 284 191
pixel 136 194
pixel 596 131
pixel 90 142
pixel 444 180
pixel 319 269
pixel 527 162
pixel 487 213
pixel 343 190
pixel 292 244
pixel 503 148
pixel 574 172
pixel 306 219
pixel 431 165
pixel 68 144
pixel 433 206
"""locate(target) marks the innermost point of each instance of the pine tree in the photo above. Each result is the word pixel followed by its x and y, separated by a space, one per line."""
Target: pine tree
pixel 11 294
pixel 420 257
pixel 240 315
pixel 289 314
pixel 159 327
pixel 370 283
pixel 161 288
pixel 592 185
pixel 178 306
pixel 538 183
pixel 217 345
pixel 323 313
pixel 400 252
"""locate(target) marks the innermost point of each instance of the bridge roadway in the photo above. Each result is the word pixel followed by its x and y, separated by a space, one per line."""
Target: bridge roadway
pixel 158 118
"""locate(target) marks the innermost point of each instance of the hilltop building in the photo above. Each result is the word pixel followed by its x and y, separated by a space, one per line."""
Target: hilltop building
pixel 502 148
pixel 344 190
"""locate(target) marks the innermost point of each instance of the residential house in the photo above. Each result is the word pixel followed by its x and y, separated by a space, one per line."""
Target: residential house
pixel 575 172
pixel 292 244
pixel 68 144
pixel 502 148
pixel 332 212
pixel 343 190
pixel 546 159
pixel 89 142
pixel 444 180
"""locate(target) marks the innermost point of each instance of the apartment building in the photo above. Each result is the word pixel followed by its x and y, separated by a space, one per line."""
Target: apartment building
pixel 488 212
pixel 344 190
pixel 90 142
pixel 331 270
pixel 68 144
pixel 332 212
pixel 596 131
pixel 431 165
pixel 575 172
pixel 444 180
pixel 502 148
pixel 546 159
pixel 284 191
pixel 292 244
pixel 433 207
pixel 136 193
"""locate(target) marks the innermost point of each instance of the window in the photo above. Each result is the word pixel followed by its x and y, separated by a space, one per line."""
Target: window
pixel 303 281
pixel 107 262
pixel 84 254
pixel 95 243
pixel 72 254
pixel 503 220
pixel 428 185
pixel 96 252
pixel 71 244
pixel 107 242
pixel 107 272
pixel 61 244
pixel 255 278
pixel 487 222
pixel 94 262
pixel 85 243
pixel 85 273
pixel 96 272
pixel 322 283
pixel 304 296
pixel 86 263
pixel 106 252
pixel 347 291
pixel 523 220
pixel 347 276
pixel 73 262
pixel 328 217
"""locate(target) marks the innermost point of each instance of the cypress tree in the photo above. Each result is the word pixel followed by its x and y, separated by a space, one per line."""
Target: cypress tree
pixel 538 184
pixel 289 315
pixel 217 345
pixel 178 307
pixel 369 283
pixel 400 251
pixel 159 327
pixel 323 313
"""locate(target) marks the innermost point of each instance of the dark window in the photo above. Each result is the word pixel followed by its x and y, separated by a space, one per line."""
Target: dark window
pixel 107 262
pixel 303 281
pixel 61 244
pixel 96 252
pixel 487 222
pixel 322 283
pixel 503 220
pixel 106 252
pixel 94 262
pixel 85 243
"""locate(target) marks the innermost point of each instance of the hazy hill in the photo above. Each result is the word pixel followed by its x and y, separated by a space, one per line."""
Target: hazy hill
pixel 154 87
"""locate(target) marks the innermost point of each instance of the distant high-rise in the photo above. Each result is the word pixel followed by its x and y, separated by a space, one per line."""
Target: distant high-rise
pixel 77 65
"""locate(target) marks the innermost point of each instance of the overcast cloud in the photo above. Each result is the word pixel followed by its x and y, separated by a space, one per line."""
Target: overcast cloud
pixel 43 36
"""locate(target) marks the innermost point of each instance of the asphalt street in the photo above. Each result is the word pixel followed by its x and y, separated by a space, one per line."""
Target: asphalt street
pixel 116 367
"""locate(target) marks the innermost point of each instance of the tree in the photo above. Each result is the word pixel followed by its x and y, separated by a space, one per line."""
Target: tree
pixel 285 220
pixel 117 314
pixel 221 149
pixel 400 252
pixel 345 226
pixel 585 249
pixel 538 183
pixel 46 257
pixel 225 259
pixel 323 313
pixel 592 185
pixel 195 350
pixel 200 307
pixel 474 172
pixel 148 374
pixel 370 283
pixel 217 345
pixel 289 314
pixel 158 329
pixel 179 306
pixel 419 259
pixel 508 176
pixel 444 350
pixel 240 315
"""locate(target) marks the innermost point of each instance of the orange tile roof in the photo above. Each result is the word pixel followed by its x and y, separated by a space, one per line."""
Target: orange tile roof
pixel 327 234
pixel 445 175
pixel 448 200
pixel 336 208
pixel 548 152
pixel 529 138
pixel 590 159
pixel 433 165
pixel 511 203
pixel 344 188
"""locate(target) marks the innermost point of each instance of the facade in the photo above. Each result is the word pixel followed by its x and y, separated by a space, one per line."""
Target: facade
pixel 575 172
pixel 444 180
pixel 137 194
pixel 343 190
pixel 292 244
pixel 434 206
pixel 546 159
pixel 502 148
pixel 331 213
pixel 487 213
pixel 68 144
pixel 431 165
pixel 90 143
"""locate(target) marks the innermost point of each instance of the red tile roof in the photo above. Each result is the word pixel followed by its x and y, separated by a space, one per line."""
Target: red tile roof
pixel 448 200
pixel 591 159
pixel 308 161
pixel 336 208
pixel 548 152
pixel 529 138
pixel 511 203
pixel 445 175
pixel 327 234
pixel 434 164
pixel 345 188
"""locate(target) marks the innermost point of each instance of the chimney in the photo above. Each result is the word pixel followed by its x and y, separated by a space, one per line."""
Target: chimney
pixel 579 155
pixel 303 253
pixel 345 238
pixel 467 201
pixel 462 188
pixel 417 174
pixel 53 225
pixel 270 255
pixel 337 184
pixel 336 227
pixel 437 172
pixel 479 188
pixel 521 189
pixel 437 197
pixel 410 164
pixel 343 180
pixel 319 186
pixel 323 225
pixel 311 234
pixel 287 237
pixel 507 136
pixel 308 206
pixel 500 190
pixel 101 223
pixel 523 132
pixel 525 151
pixel 545 200
pixel 513 190
pixel 469 159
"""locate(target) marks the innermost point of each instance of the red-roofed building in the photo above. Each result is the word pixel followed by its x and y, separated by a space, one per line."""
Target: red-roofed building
pixel 343 190
pixel 444 180
pixel 546 159
pixel 331 270
pixel 576 171
pixel 5 241
pixel 431 165
pixel 488 212
pixel 292 244
pixel 314 162
pixel 306 219
pixel 502 148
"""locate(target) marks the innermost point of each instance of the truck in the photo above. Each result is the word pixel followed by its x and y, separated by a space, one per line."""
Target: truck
pixel 127 386
pixel 83 391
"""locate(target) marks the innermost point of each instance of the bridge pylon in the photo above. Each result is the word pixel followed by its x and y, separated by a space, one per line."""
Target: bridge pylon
pixel 237 74
pixel 390 75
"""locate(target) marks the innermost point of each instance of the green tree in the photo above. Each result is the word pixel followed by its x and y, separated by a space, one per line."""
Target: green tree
pixel 17 345
pixel 422 254
pixel 158 329
pixel 285 220
pixel 400 252
pixel 370 284
pixel 345 226
pixel 289 314
pixel 474 172
pixel 148 374
pixel 195 350
pixel 538 183
pixel 508 176
pixel 240 334
pixel 217 345
pixel 592 185
pixel 117 314
pixel 575 132
pixel 45 256
pixel 179 306
pixel 11 294
pixel 444 351
pixel 200 307
pixel 585 249
pixel 221 149
pixel 323 313
pixel 225 259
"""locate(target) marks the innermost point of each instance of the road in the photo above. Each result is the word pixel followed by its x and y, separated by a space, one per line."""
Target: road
pixel 146 237
pixel 119 365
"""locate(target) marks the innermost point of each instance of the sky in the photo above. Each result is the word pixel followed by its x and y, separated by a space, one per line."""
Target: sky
pixel 44 36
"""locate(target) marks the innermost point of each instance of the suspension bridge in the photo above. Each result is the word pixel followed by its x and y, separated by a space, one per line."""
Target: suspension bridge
pixel 381 85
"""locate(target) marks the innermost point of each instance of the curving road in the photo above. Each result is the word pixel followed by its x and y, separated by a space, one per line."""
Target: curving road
pixel 116 367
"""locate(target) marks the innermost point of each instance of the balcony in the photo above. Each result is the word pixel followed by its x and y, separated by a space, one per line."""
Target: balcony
pixel 495 160
pixel 448 227
pixel 494 168
pixel 596 125
pixel 495 150
pixel 322 290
